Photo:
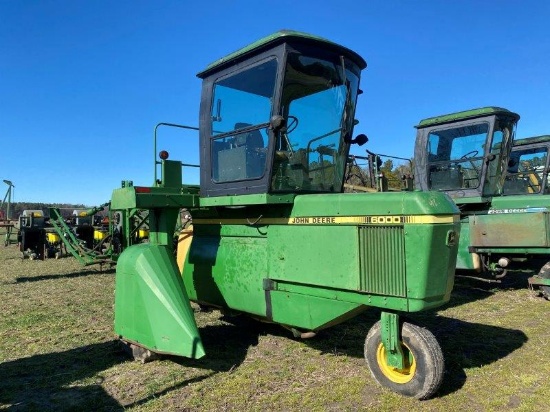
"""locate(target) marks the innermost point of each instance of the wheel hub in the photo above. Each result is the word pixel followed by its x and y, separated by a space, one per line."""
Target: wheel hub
pixel 396 375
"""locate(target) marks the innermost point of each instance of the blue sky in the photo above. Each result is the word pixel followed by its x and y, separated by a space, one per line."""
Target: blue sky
pixel 83 83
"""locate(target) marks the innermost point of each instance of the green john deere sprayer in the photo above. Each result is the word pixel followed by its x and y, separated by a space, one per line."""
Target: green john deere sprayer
pixel 273 234
pixel 469 156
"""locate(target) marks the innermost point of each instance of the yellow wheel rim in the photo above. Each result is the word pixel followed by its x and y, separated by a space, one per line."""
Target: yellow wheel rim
pixel 393 374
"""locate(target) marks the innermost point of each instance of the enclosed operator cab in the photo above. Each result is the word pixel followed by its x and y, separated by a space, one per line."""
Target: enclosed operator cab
pixel 278 122
pixel 465 154
pixel 528 167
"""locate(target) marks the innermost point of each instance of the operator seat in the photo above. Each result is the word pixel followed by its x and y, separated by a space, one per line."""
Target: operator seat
pixel 446 177
pixel 252 140
pixel 252 143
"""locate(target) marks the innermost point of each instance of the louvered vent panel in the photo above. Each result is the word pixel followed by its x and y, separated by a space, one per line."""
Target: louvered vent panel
pixel 382 260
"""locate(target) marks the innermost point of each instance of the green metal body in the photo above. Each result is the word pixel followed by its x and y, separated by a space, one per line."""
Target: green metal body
pixel 163 319
pixel 151 306
pixel 278 262
pixel 126 224
pixel 274 236
pixel 323 258
pixel 512 226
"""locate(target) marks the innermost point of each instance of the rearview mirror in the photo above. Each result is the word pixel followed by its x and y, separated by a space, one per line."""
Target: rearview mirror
pixel 360 139
pixel 277 122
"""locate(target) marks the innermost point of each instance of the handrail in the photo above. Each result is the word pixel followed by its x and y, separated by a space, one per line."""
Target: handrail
pixel 156 162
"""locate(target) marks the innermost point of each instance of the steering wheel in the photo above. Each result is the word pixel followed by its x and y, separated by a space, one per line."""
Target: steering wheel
pixel 469 155
pixel 292 124
pixel 473 153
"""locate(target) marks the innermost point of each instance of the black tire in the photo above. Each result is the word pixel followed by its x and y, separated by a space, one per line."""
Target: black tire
pixel 139 353
pixel 425 367
pixel 545 274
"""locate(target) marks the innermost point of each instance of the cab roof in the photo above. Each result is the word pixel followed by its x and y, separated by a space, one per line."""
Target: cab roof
pixel 532 140
pixel 275 39
pixel 464 115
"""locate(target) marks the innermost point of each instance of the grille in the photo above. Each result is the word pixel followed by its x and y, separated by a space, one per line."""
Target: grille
pixel 382 260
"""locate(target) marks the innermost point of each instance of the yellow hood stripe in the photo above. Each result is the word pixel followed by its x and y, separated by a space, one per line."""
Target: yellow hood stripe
pixel 336 220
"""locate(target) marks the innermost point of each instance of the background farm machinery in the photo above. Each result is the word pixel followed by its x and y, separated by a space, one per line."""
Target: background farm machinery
pixel 40 236
pixel 528 167
pixel 92 236
pixel 500 185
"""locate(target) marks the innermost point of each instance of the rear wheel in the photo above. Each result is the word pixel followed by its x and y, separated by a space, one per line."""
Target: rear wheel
pixel 424 365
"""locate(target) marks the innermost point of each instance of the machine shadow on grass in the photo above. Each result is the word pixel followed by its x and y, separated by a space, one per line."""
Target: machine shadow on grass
pixel 461 342
pixel 464 344
pixel 469 288
pixel 514 280
pixel 226 348
pixel 469 345
pixel 227 345
pixel 79 274
pixel 40 382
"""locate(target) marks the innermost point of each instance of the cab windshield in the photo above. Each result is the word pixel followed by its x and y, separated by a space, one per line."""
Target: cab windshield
pixel 457 156
pixel 240 113
pixel 318 101
pixel 527 172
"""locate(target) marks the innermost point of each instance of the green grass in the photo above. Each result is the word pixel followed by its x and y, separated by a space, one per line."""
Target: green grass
pixel 58 352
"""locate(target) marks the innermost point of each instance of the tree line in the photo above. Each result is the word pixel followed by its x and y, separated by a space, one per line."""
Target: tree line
pixel 17 208
pixel 393 170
